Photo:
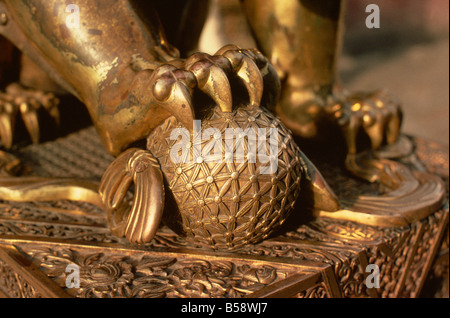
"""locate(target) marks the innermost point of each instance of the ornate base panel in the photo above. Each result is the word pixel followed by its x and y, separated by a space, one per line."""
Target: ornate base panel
pixel 43 243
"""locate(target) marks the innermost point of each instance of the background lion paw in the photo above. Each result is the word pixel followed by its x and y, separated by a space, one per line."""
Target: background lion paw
pixel 26 103
pixel 378 114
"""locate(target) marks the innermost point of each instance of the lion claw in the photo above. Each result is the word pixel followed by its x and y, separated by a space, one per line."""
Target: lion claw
pixel 376 113
pixel 28 103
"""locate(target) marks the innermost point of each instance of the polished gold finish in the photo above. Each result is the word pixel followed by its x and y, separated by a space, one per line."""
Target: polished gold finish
pixel 129 90
pixel 141 223
pixel 28 189
pixel 398 206
pixel 313 258
pixel 230 205
pixel 96 64
pixel 137 87
pixel 302 39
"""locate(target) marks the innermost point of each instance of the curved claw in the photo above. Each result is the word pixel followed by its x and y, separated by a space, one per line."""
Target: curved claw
pixel 174 95
pixel 180 105
pixel 374 125
pixel 50 103
pixel 7 121
pixel 31 121
pixel 140 223
pixel 112 186
pixel 382 117
pixel 213 81
pixel 272 86
pixel 148 203
pixel 146 212
pixel 393 128
pixel 272 83
pixel 246 69
pixel 394 120
pixel 256 72
pixel 228 47
pixel 351 130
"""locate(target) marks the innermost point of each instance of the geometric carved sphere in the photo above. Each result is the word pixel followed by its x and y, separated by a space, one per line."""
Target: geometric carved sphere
pixel 234 181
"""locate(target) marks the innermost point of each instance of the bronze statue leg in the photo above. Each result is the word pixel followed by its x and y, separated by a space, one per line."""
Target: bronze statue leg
pixel 34 77
pixel 302 40
pixel 93 60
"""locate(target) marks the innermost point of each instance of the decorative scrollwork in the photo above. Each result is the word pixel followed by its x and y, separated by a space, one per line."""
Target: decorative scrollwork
pixel 13 285
pixel 115 275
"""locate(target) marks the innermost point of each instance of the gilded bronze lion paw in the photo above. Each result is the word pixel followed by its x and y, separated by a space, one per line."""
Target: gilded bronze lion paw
pixel 28 103
pixel 221 220
pixel 174 81
pixel 378 114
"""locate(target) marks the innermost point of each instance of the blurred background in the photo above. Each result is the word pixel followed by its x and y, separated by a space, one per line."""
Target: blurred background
pixel 408 55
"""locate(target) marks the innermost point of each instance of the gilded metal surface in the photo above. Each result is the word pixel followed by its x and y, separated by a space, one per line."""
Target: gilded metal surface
pixel 317 258
pixel 137 86
pixel 129 78
pixel 302 39
pixel 231 205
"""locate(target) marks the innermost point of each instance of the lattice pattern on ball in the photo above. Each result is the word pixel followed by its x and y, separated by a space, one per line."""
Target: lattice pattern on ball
pixel 227 205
